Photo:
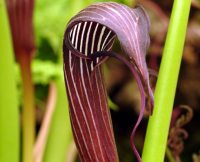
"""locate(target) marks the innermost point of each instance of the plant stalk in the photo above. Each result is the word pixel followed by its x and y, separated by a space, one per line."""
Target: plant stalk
pixel 41 141
pixel 28 109
pixel 159 122
pixel 9 112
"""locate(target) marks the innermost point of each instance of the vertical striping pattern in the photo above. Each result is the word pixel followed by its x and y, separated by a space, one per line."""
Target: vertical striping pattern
pixel 89 111
pixel 88 39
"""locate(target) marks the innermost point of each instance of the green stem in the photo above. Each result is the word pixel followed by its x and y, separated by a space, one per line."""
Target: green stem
pixel 9 112
pixel 158 126
pixel 28 110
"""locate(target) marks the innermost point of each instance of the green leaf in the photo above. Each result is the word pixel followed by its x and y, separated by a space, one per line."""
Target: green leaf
pixel 9 112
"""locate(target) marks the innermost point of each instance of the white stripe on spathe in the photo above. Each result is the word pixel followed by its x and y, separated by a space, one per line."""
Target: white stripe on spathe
pixel 93 41
pixel 93 38
pixel 102 47
pixel 73 35
pixel 87 39
pixel 100 37
pixel 100 40
pixel 77 35
pixel 83 32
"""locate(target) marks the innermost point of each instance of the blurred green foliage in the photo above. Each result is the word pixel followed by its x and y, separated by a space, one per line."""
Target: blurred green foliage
pixel 45 71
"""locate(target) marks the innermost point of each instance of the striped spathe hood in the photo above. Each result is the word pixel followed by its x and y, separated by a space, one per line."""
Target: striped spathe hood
pixel 88 41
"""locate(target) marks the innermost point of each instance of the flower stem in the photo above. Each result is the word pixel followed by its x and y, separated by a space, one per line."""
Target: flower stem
pixel 158 126
pixel 28 110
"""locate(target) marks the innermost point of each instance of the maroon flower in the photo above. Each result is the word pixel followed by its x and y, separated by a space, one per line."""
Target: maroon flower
pixel 88 41
pixel 21 16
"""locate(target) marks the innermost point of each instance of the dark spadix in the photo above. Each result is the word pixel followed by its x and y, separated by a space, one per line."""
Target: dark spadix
pixel 88 41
